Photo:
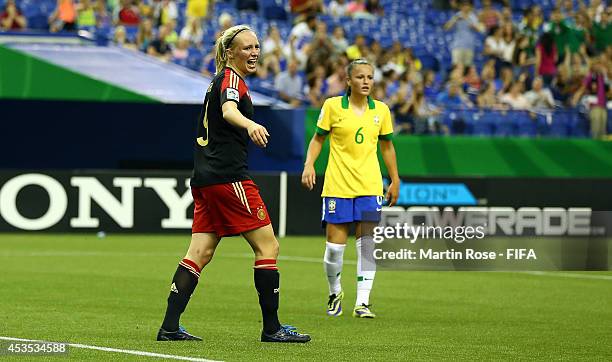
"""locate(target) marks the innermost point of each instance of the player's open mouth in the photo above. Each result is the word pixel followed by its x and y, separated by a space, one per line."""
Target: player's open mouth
pixel 252 62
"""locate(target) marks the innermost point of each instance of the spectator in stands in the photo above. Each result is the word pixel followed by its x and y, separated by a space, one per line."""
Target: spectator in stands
pixel 546 58
pixel 248 5
pixel 359 49
pixel 471 80
pixel 317 86
pixel 373 7
pixel 336 82
pixel 453 97
pixel 290 85
pixel 530 27
pixel 303 8
pixel 321 50
pixel 601 31
pixel 199 9
pixel 273 58
pixel 595 86
pixel 172 37
pixel 430 85
pixel 338 40
pixel 466 26
pixel 129 14
pixel 515 98
pixel 103 17
pixel 11 17
pixel 63 18
pixel 487 98
pixel 497 48
pixel 86 15
pixel 540 97
pixel 159 47
pixel 357 9
pixel 120 38
pixel 402 107
pixel 193 32
pixel 145 35
pixel 304 30
pixel 165 12
pixel 595 10
pixel 424 114
pixel 338 8
pixel 225 21
pixel 489 16
pixel 180 52
pixel 521 59
pixel 208 64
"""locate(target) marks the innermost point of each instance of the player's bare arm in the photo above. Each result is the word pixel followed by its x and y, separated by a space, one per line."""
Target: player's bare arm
pixel 258 133
pixel 309 177
pixel 388 154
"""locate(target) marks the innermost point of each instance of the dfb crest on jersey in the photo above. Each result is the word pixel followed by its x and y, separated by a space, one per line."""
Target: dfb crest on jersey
pixel 232 94
pixel 331 206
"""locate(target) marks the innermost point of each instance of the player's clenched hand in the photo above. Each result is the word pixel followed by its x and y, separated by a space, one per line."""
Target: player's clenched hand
pixel 309 178
pixel 392 193
pixel 259 134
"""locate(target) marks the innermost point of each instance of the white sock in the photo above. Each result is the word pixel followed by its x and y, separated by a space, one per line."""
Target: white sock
pixel 334 255
pixel 365 279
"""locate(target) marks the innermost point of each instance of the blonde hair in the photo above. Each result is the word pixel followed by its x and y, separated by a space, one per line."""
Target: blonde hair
pixel 224 43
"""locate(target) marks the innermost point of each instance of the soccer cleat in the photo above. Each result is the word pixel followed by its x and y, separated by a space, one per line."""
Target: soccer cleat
pixel 180 335
pixel 363 311
pixel 286 334
pixel 334 306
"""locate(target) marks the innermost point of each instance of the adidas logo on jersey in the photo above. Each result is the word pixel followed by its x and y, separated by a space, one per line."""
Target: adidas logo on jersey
pixel 173 288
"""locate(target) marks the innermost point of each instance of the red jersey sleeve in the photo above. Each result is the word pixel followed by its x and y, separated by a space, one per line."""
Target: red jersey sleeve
pixel 233 88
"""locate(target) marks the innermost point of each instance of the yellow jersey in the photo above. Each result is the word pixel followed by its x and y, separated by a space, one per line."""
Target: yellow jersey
pixel 353 169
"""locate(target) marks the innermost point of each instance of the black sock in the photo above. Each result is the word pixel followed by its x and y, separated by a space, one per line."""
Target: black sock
pixel 267 284
pixel 183 284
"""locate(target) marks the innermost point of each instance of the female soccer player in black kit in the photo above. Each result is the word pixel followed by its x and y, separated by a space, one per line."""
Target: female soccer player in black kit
pixel 226 201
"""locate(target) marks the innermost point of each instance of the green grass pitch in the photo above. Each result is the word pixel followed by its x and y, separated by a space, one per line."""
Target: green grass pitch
pixel 111 292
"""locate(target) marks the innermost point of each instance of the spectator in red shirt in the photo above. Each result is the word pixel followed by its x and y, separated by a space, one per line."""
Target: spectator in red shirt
pixel 546 58
pixel 11 18
pixel 129 14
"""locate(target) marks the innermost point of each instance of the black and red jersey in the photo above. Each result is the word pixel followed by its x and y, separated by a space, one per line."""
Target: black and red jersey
pixel 220 149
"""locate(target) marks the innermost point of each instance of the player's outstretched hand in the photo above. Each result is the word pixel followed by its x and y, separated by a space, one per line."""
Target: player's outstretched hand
pixel 259 134
pixel 392 193
pixel 309 178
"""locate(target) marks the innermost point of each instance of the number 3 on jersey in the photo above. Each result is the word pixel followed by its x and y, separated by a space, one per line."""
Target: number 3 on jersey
pixel 201 141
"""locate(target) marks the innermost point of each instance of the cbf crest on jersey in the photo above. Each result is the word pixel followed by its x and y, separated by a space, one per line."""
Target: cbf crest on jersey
pixel 331 206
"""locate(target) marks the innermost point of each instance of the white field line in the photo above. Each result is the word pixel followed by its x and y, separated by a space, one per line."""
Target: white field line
pixel 113 350
pixel 569 275
pixel 302 259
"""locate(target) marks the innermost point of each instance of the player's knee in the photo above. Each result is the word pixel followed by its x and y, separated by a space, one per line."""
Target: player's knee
pixel 274 249
pixel 200 256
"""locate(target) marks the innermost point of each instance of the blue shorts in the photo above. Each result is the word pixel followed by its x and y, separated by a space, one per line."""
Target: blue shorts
pixel 337 210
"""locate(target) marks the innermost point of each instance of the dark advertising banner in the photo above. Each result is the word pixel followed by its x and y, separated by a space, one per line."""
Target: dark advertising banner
pixel 147 201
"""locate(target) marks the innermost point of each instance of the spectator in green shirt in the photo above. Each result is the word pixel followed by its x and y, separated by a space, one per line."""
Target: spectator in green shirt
pixel 602 31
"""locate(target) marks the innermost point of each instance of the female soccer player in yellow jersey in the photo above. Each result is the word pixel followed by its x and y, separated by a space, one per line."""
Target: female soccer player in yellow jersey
pixel 353 188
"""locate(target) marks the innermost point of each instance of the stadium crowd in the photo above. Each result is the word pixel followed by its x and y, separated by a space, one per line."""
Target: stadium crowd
pixel 501 56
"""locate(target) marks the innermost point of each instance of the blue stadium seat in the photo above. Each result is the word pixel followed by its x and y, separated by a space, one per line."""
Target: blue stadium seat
pixel 527 125
pixel 559 123
pixel 505 125
pixel 483 123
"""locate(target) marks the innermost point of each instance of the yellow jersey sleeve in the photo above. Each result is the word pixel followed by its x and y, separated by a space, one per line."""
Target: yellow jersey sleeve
pixel 325 117
pixel 386 126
